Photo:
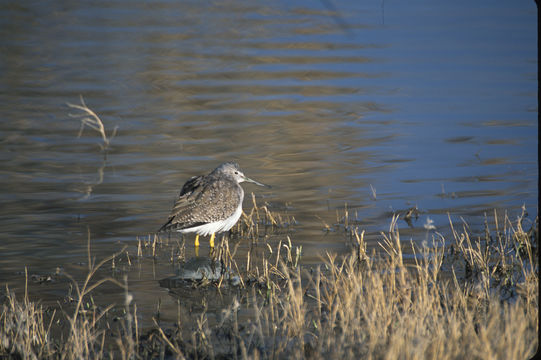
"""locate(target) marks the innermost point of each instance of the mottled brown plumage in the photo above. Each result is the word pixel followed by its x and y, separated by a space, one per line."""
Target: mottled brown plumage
pixel 210 203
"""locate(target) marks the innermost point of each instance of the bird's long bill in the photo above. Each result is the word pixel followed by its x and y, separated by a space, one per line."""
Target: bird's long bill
pixel 247 179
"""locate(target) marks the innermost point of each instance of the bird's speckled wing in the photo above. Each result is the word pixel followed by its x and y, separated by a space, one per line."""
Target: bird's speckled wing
pixel 202 201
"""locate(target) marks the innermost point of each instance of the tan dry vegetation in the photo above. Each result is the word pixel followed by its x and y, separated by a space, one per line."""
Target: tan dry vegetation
pixel 89 118
pixel 360 306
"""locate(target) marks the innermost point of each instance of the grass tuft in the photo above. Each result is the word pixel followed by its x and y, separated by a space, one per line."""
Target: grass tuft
pixel 475 298
pixel 90 119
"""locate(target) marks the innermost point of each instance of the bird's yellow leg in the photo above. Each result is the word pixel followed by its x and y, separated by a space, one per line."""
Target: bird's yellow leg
pixel 212 240
pixel 197 240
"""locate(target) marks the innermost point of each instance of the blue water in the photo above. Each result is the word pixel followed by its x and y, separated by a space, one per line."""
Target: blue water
pixel 433 104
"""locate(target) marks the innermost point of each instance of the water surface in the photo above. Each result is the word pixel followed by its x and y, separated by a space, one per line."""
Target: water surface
pixel 433 105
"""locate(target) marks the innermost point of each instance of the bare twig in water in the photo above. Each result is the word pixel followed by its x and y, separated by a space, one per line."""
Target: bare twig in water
pixel 93 121
pixel 373 192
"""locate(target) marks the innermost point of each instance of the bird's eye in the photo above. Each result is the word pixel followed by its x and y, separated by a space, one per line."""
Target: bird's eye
pixel 236 172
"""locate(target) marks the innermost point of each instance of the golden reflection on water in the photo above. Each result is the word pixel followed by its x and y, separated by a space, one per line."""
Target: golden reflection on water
pixel 325 114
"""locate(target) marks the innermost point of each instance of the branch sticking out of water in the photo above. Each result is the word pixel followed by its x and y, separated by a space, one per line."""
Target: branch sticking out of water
pixel 93 121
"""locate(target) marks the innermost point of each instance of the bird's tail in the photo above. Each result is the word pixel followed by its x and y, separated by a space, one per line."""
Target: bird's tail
pixel 166 226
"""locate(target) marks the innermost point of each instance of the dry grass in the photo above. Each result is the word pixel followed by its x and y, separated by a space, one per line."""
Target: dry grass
pixel 30 331
pixel 260 221
pixel 373 307
pixel 89 118
pixel 475 299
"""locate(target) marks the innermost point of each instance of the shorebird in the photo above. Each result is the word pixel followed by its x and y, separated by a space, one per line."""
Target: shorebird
pixel 209 204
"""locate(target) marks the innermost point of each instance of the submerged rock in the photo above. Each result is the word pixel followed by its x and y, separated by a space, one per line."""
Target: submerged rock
pixel 199 269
